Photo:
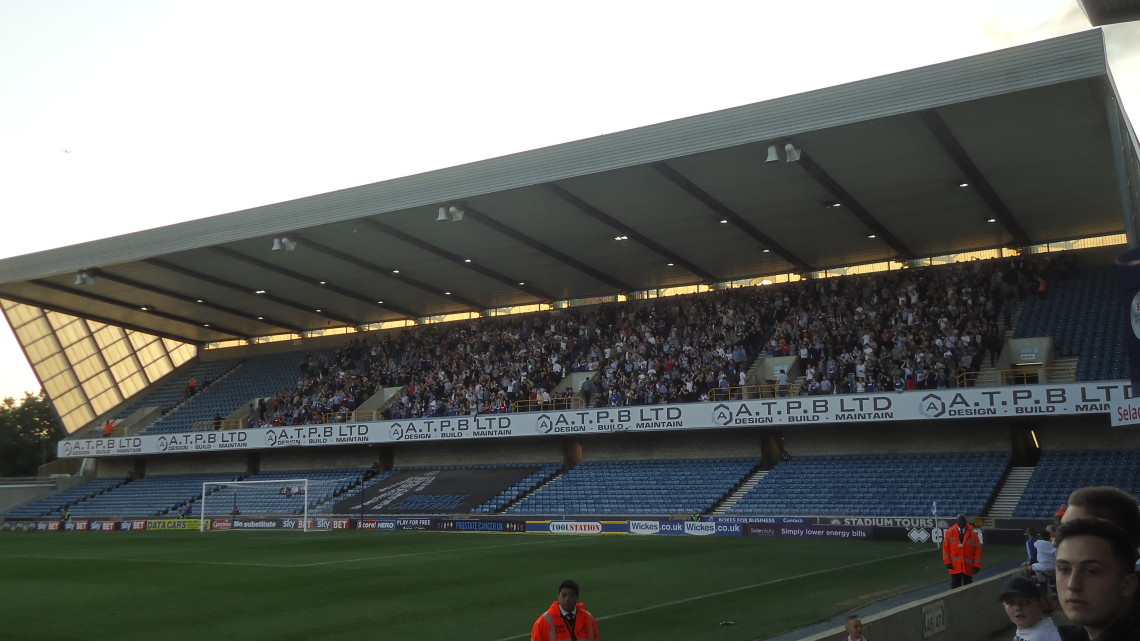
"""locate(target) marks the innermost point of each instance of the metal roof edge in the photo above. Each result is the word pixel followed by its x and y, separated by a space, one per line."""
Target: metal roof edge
pixel 1039 64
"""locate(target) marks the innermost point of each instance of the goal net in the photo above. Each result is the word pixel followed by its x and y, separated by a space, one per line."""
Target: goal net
pixel 279 498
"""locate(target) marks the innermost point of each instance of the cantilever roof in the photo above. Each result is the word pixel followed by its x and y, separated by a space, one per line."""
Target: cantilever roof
pixel 1030 129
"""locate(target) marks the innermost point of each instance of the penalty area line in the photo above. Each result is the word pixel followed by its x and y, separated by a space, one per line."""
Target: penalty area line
pixel 741 588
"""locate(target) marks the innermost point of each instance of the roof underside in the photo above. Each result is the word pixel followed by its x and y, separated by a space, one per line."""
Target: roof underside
pixel 1029 129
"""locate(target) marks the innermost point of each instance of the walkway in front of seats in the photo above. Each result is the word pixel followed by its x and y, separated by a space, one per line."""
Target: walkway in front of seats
pixel 866 611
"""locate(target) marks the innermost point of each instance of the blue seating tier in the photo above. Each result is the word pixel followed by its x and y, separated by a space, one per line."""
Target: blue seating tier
pixel 1058 473
pixel 56 503
pixel 1086 317
pixel 149 496
pixel 878 485
pixel 659 487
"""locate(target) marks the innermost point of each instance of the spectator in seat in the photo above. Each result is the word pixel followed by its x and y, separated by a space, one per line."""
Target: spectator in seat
pixel 853 625
pixel 782 382
pixel 1046 555
pixel 1026 609
pixel 1030 546
pixel 1096 581
pixel 1105 502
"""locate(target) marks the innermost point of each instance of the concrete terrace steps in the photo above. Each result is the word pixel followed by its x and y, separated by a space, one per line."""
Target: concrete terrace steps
pixel 733 498
pixel 1010 492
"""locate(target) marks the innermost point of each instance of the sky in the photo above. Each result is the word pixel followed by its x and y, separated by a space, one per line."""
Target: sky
pixel 123 115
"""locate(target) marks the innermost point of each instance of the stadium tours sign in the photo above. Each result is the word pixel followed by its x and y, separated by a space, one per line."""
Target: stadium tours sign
pixel 1071 398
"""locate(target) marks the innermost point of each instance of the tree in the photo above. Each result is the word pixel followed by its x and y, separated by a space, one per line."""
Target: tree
pixel 28 434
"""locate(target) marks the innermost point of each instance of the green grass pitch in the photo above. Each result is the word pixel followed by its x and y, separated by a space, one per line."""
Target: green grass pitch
pixel 432 586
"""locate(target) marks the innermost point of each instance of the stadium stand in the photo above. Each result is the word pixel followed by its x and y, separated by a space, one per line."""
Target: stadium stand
pixel 281 498
pixel 255 378
pixel 173 392
pixel 1060 472
pixel 912 329
pixel 150 496
pixel 1083 315
pixel 480 488
pixel 879 485
pixel 924 326
pixel 519 489
pixel 660 487
pixel 58 502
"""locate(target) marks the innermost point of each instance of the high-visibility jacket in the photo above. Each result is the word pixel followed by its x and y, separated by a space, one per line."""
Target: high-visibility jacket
pixel 552 627
pixel 962 550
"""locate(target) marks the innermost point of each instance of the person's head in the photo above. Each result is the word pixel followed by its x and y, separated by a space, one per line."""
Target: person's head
pixel 568 592
pixel 854 626
pixel 1030 532
pixel 1022 601
pixel 1106 502
pixel 1096 578
pixel 962 520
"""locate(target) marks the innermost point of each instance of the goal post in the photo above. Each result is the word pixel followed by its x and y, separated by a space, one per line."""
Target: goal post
pixel 269 498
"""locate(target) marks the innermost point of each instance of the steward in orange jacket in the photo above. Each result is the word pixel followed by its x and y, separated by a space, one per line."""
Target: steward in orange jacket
pixel 961 552
pixel 565 619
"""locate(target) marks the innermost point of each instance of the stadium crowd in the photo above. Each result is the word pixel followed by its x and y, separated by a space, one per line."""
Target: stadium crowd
pixel 913 329
pixel 919 328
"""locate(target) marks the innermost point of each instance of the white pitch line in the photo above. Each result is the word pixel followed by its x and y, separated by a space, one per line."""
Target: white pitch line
pixel 275 565
pixel 129 560
pixel 737 589
pixel 397 556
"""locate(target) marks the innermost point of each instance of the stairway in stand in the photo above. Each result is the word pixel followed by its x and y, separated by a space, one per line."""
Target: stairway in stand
pixel 1010 493
pixel 738 493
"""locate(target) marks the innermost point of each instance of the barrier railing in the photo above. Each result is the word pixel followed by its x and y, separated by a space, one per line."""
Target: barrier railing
pixel 1020 376
pixel 561 403
pixel 215 425
pixel 358 416
pixel 993 378
pixel 754 391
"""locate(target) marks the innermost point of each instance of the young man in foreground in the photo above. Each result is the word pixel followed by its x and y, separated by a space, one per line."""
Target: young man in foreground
pixel 1096 581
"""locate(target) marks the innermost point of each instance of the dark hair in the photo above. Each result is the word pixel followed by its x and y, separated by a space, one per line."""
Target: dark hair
pixel 572 584
pixel 1123 549
pixel 1107 502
